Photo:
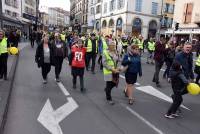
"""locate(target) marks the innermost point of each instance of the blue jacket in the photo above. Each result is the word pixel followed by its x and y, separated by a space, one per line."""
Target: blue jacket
pixel 134 64
pixel 186 61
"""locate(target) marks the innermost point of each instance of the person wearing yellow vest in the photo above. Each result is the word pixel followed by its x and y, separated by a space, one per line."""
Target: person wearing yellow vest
pixel 197 69
pixel 110 70
pixel 63 37
pixel 151 49
pixel 3 55
pixel 124 44
pixel 140 44
pixel 92 49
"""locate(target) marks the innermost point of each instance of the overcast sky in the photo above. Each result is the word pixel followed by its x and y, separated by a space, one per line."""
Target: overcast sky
pixel 65 4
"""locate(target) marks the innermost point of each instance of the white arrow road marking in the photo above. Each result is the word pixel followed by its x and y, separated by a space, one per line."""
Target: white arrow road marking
pixel 50 119
pixel 47 119
pixel 154 92
pixel 123 77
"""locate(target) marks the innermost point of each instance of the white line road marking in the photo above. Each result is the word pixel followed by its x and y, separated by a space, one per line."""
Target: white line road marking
pixel 63 89
pixel 154 92
pixel 158 131
pixel 123 77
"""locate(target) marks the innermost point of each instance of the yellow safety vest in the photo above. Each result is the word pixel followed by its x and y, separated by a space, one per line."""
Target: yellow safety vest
pixel 110 63
pixel 62 37
pixel 3 46
pixel 198 61
pixel 89 46
pixel 140 44
pixel 125 43
pixel 151 46
pixel 105 46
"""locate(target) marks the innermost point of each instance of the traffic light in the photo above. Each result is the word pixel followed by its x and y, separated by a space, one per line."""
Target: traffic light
pixel 176 26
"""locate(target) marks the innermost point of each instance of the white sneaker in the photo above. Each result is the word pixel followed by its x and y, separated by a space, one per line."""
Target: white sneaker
pixel 169 116
pixel 44 81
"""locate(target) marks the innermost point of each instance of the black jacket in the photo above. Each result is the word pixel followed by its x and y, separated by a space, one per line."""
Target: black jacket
pixel 64 47
pixel 178 80
pixel 39 56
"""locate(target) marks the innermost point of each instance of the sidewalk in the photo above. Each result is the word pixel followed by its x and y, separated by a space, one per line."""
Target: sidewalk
pixel 6 86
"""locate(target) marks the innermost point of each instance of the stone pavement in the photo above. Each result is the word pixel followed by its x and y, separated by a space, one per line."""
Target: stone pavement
pixel 6 86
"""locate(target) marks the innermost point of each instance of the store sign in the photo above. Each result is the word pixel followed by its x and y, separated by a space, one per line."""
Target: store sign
pixel 29 17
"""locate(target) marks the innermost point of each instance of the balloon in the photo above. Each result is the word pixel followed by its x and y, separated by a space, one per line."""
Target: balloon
pixel 193 89
pixel 13 50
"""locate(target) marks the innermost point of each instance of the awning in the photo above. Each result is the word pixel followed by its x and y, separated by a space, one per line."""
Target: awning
pixel 184 31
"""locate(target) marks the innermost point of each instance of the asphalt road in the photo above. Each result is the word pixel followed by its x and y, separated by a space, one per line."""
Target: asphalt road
pixel 93 115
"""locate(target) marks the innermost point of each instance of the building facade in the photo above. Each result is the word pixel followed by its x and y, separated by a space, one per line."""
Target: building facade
pixel 186 20
pixel 72 12
pixel 44 20
pixel 58 17
pixel 30 14
pixel 94 15
pixel 11 14
pixel 134 17
pixel 187 13
pixel 84 16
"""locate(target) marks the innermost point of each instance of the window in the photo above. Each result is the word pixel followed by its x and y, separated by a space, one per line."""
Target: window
pixel 92 11
pixel 98 1
pixel 138 5
pixel 112 5
pixel 7 12
pixel 188 8
pixel 111 23
pixel 98 9
pixel 104 24
pixel 154 9
pixel 168 8
pixel 14 14
pixel 92 1
pixel 120 4
pixel 105 7
pixel 8 2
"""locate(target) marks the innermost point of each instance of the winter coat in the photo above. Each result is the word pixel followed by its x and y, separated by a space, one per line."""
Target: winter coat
pixel 39 56
pixel 133 62
pixel 178 80
pixel 186 61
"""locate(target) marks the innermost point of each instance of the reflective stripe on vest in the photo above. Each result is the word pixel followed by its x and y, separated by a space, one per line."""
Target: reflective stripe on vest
pixel 3 46
pixel 151 46
pixel 198 61
pixel 109 62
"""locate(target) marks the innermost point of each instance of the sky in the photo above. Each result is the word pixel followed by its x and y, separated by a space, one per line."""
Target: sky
pixel 44 4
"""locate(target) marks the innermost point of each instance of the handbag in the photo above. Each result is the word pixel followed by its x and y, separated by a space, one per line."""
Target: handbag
pixel 115 78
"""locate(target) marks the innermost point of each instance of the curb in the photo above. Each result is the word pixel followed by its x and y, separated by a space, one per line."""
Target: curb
pixel 8 90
